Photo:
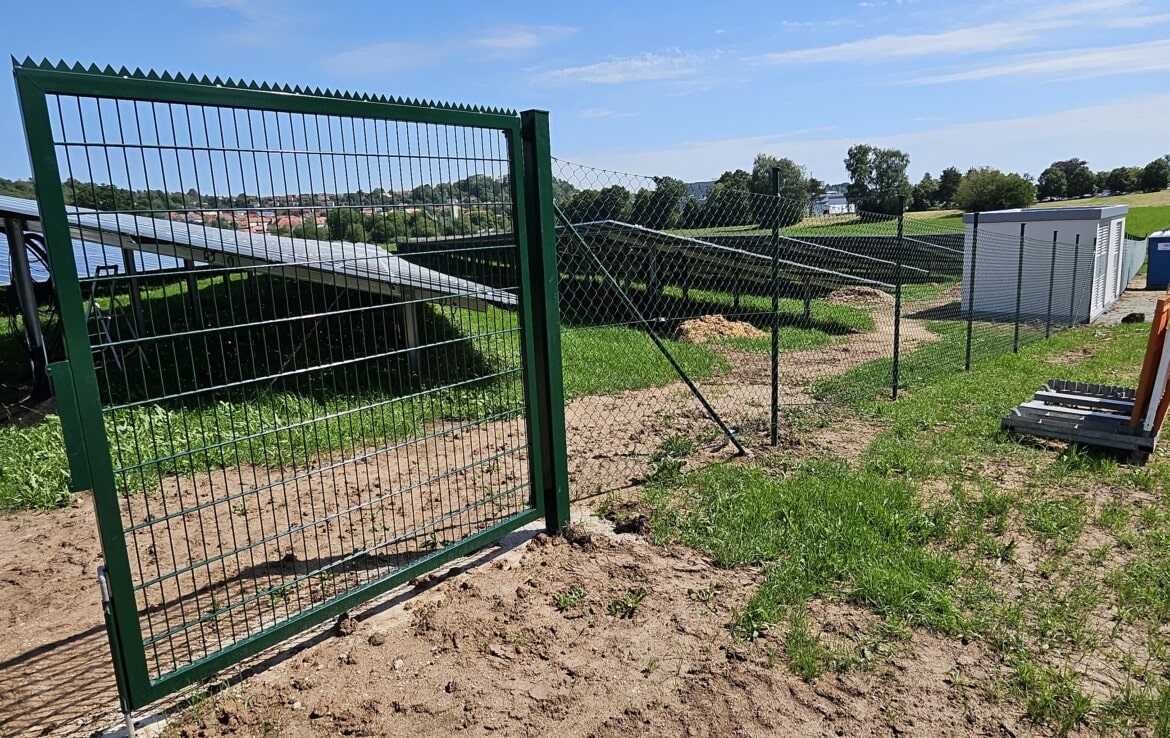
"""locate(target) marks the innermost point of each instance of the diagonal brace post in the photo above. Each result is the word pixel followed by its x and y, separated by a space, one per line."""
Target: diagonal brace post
pixel 727 432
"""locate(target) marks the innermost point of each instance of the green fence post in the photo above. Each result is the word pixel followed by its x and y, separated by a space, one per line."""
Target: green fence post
pixel 971 290
pixel 775 411
pixel 1051 286
pixel 898 300
pixel 1019 290
pixel 1072 298
pixel 548 391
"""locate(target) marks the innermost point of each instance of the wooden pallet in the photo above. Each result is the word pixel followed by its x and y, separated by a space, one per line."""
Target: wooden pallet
pixel 1080 412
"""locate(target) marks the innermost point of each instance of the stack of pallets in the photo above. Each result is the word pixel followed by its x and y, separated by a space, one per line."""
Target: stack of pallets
pixel 1103 415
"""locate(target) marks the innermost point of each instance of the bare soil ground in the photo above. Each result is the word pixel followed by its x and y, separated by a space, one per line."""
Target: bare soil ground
pixel 486 652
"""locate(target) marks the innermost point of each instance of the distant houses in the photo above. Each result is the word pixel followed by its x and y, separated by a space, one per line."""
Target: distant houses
pixel 833 202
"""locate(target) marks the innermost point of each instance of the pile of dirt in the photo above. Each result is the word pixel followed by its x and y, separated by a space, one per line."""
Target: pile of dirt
pixel 713 327
pixel 954 292
pixel 853 295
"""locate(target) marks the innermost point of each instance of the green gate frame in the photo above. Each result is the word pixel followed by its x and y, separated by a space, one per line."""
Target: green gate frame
pixel 75 380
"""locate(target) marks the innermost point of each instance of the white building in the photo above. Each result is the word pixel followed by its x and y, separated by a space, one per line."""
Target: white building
pixel 1080 251
pixel 833 203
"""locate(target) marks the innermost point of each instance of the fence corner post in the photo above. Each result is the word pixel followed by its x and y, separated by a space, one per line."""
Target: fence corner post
pixel 546 387
pixel 894 378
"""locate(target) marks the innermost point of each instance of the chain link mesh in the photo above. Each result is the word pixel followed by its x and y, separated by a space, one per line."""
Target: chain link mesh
pixel 867 304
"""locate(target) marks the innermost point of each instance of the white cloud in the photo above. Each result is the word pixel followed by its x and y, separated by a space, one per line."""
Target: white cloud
pixel 604 113
pixel 390 56
pixel 266 23
pixel 508 41
pixel 1137 21
pixel 1122 132
pixel 1152 56
pixel 643 67
pixel 1010 33
pixel 812 25
pixel 505 42
pixel 990 37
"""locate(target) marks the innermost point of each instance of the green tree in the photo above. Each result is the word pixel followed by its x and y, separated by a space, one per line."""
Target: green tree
pixel 986 188
pixel 793 188
pixel 925 193
pixel 310 230
pixel 1052 183
pixel 580 206
pixel 948 184
pixel 613 203
pixel 1068 166
pixel 1081 182
pixel 562 191
pixel 23 188
pixel 728 201
pixel 692 213
pixel 387 227
pixel 659 208
pixel 877 178
pixel 346 224
pixel 1120 180
pixel 100 196
pixel 1155 176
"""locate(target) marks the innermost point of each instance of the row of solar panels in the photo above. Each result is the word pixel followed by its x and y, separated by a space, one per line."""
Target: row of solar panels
pixel 362 266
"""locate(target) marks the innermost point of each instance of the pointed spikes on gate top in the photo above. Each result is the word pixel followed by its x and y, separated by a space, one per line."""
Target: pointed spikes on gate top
pixel 165 76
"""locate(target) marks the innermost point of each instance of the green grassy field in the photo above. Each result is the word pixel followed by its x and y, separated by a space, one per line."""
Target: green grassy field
pixel 948 524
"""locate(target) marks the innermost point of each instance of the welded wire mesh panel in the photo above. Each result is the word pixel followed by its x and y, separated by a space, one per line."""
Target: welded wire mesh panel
pixel 294 410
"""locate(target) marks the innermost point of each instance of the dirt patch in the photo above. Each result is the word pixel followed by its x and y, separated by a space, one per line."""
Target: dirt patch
pixel 714 327
pixel 533 644
pixel 855 295
pixel 55 671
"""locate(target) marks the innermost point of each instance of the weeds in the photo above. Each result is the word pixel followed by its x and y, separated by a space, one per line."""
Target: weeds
pixel 626 606
pixel 568 599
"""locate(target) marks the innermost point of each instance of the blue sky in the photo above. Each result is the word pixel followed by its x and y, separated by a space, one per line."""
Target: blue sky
pixel 684 89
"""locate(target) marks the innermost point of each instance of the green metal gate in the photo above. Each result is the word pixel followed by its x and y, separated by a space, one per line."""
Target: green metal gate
pixel 278 416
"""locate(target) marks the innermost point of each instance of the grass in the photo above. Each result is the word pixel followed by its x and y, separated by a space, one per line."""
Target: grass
pixel 926 222
pixel 611 360
pixel 824 315
pixel 953 561
pixel 929 360
pixel 1143 221
pixel 471 374
pixel 825 528
pixel 791 339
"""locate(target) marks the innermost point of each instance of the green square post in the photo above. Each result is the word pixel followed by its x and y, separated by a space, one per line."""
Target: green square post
pixel 549 394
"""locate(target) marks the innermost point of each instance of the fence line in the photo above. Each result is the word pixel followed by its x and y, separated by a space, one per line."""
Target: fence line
pixel 760 298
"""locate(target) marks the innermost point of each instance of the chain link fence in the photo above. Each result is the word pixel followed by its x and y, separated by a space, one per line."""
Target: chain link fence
pixel 772 306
